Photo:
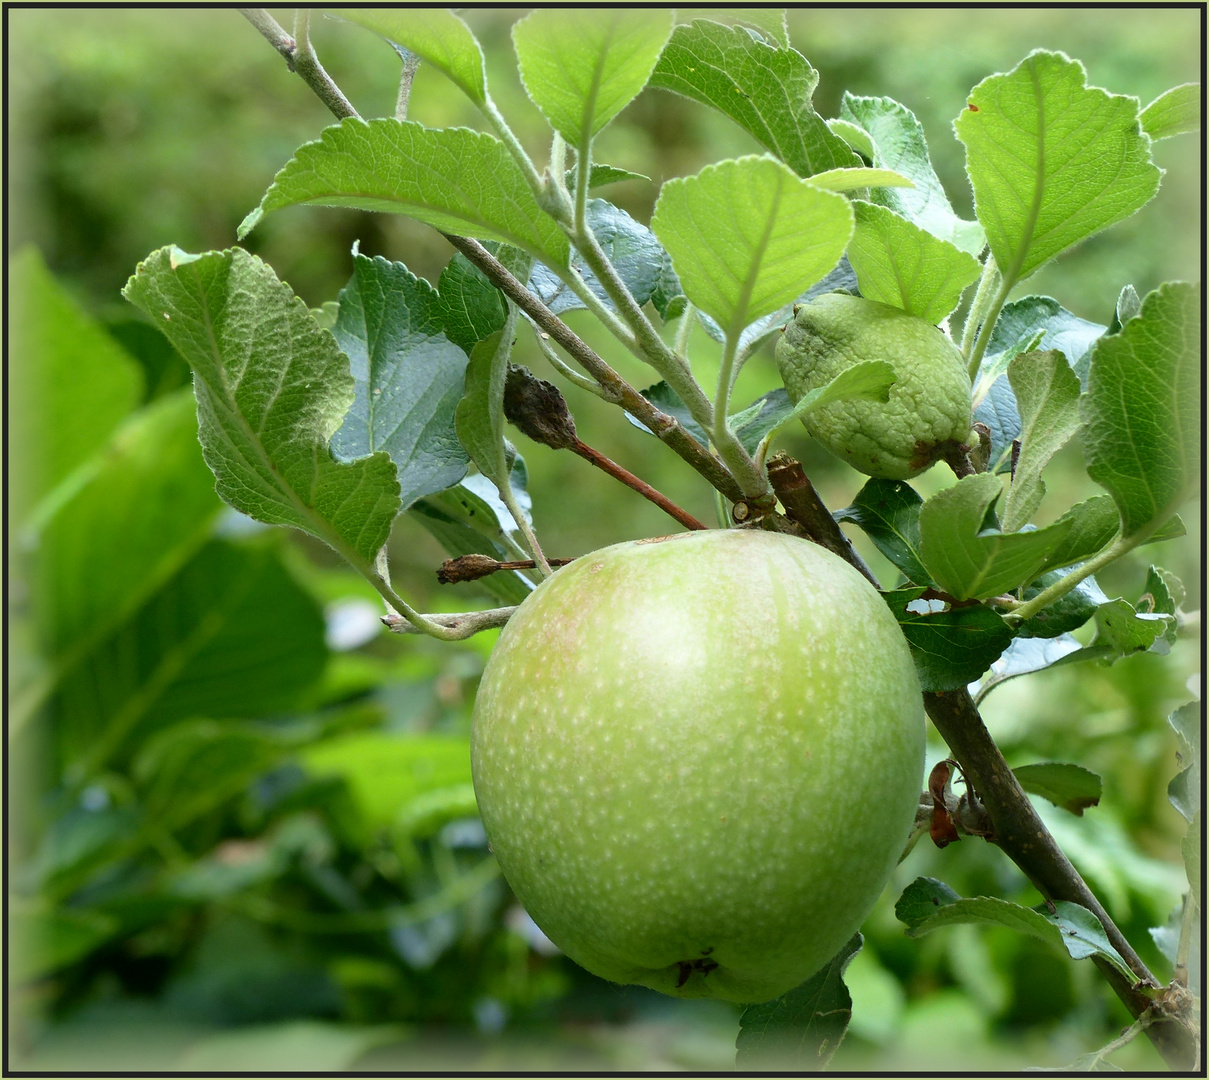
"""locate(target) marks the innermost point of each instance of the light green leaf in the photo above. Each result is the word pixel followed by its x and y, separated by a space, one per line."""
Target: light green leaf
pixel 70 384
pixel 437 36
pixel 1141 412
pixel 800 1030
pixel 854 135
pixel 1125 630
pixel 1071 926
pixel 888 512
pixel 765 89
pixel 1052 161
pixel 600 175
pixel 1047 395
pixel 1175 112
pixel 869 380
pixel 969 561
pixel 898 143
pixel 582 66
pixel 1068 786
pixel 409 378
pixel 272 388
pixel 900 264
pixel 747 236
pixel 860 177
pixel 454 179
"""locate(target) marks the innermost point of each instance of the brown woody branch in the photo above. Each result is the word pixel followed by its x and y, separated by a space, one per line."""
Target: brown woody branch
pixel 472 567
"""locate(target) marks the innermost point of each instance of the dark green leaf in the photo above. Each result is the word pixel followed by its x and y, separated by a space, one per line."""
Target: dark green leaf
pixel 582 66
pixel 470 307
pixel 454 179
pixel 1175 112
pixel 669 402
pixel 765 89
pixel 921 899
pixel 968 560
pixel 800 1030
pixel 1052 161
pixel 767 413
pixel 898 143
pixel 1020 321
pixel 901 264
pixel 888 511
pixel 1071 787
pixel 272 388
pixel 409 378
pixel 950 648
pixel 480 413
pixel 1064 615
pixel 1141 412
pixel 71 383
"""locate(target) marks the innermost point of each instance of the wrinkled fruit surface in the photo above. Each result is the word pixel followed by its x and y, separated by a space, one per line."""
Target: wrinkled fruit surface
pixel 928 413
pixel 698 759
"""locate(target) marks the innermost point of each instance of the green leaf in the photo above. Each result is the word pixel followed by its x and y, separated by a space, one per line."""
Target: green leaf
pixel 900 264
pixel 1070 787
pixel 869 380
pixel 70 383
pixel 1026 655
pixel 1094 524
pixel 1129 306
pixel 409 378
pixel 765 89
pixel 600 175
pixel 387 771
pixel 582 66
pixel 1052 161
pixel 858 177
pixel 1047 395
pixel 630 246
pixel 669 402
pixel 469 518
pixel 46 940
pixel 425 814
pixel 454 179
pixel 888 511
pixel 748 236
pixel 969 561
pixel 230 635
pixel 1175 112
pixel 272 389
pixel 854 135
pixel 1071 926
pixel 951 648
pixel 898 143
pixel 480 413
pixel 145 509
pixel 920 900
pixel 469 306
pixel 1065 614
pixel 800 1030
pixel 1141 412
pixel 1163 594
pixel 435 35
pixel 762 417
pixel 1124 630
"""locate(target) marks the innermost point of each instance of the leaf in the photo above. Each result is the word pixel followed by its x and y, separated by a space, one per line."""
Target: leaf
pixel 409 378
pixel 1065 614
pixel 747 236
pixel 1125 630
pixel 1052 161
pixel 630 246
pixel 900 264
pixel 765 89
pixel 469 306
pixel 969 561
pixel 272 388
pixel 1174 112
pixel 71 383
pixel 854 135
pixel 1047 396
pixel 898 143
pixel 950 648
pixel 1141 412
pixel 230 635
pixel 1071 926
pixel 762 417
pixel 920 900
pixel 669 402
pixel 1020 321
pixel 858 177
pixel 800 1030
pixel 46 940
pixel 1185 790
pixel 869 380
pixel 454 179
pixel 1070 787
pixel 425 814
pixel 1129 306
pixel 1024 656
pixel 600 175
pixel 480 413
pixel 435 35
pixel 143 511
pixel 888 512
pixel 1093 525
pixel 997 409
pixel 470 519
pixel 582 67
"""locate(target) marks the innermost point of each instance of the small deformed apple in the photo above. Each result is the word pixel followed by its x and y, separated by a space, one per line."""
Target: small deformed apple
pixel 698 759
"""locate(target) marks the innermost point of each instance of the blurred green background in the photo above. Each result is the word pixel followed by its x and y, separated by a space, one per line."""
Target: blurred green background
pixel 259 851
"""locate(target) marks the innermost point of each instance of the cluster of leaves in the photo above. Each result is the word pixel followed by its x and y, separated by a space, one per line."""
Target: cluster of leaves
pixel 338 420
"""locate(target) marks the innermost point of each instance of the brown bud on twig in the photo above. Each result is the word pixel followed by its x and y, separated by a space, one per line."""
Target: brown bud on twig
pixel 472 567
pixel 538 410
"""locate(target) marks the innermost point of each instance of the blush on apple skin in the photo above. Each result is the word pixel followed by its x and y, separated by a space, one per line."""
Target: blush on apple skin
pixel 698 759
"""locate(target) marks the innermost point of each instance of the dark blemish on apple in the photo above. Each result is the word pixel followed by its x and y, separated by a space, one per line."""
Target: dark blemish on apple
pixel 686 969
pixel 706 952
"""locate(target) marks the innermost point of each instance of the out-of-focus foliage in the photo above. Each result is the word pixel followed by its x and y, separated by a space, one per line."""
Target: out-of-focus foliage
pixel 245 836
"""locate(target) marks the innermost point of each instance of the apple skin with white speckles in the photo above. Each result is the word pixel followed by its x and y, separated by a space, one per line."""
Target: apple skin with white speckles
pixel 698 759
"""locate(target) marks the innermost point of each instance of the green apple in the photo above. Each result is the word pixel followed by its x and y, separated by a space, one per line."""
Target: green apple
pixel 927 416
pixel 698 759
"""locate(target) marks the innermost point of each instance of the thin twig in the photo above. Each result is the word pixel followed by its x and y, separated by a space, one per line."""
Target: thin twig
pixel 410 63
pixel 300 54
pixel 462 625
pixel 636 483
pixel 472 567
